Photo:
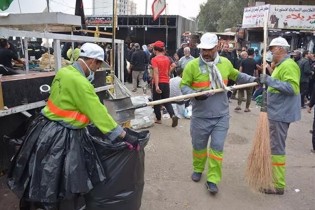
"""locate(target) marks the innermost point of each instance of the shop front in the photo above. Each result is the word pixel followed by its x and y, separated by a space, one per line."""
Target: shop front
pixel 296 23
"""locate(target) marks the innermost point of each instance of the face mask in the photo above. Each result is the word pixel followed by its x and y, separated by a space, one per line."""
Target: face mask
pixel 91 75
pixel 269 56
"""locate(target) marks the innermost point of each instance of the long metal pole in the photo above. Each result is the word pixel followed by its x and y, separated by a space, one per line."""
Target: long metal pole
pixel 146 7
pixel 113 37
pixel 48 9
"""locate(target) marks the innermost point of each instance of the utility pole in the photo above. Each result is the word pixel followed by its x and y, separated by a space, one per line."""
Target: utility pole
pixel 48 9
pixel 93 7
pixel 113 52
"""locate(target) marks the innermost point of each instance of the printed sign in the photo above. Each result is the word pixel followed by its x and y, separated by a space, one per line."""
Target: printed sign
pixel 102 21
pixel 292 17
pixel 254 16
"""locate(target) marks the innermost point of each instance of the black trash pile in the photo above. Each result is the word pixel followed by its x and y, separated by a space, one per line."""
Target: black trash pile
pixel 124 169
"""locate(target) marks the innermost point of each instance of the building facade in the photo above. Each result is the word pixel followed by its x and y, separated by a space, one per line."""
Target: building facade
pixel 105 7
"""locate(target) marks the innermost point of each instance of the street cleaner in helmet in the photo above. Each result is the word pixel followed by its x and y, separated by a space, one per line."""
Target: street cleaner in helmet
pixel 283 107
pixel 210 113
pixel 57 160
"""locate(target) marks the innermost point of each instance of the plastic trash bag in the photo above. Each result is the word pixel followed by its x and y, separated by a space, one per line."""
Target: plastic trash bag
pixel 144 117
pixel 54 163
pixel 124 169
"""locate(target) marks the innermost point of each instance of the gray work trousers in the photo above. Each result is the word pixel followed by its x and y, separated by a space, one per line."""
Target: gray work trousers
pixel 278 134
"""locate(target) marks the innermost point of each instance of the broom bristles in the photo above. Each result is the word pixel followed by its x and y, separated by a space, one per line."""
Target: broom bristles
pixel 259 166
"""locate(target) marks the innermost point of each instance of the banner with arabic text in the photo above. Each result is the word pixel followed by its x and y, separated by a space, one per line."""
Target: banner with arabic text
pixel 292 17
pixel 254 16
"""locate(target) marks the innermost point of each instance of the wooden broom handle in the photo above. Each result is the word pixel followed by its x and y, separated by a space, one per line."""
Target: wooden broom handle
pixel 265 41
pixel 192 95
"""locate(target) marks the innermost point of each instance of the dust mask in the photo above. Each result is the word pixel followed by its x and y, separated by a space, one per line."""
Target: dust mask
pixel 91 75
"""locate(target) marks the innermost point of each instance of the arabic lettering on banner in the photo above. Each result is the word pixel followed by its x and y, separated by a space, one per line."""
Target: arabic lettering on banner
pixel 102 21
pixel 292 17
pixel 254 16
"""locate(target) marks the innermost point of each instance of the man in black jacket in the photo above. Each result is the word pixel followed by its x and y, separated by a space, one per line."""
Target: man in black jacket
pixel 138 62
pixel 6 58
pixel 306 74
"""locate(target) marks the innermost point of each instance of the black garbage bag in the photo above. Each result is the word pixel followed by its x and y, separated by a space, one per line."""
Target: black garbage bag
pixel 124 169
pixel 54 163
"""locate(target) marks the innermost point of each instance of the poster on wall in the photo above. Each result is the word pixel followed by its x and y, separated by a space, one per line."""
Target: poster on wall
pixel 292 17
pixel 253 17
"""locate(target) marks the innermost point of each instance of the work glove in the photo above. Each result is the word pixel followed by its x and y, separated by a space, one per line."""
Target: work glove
pixel 203 97
pixel 262 79
pixel 131 140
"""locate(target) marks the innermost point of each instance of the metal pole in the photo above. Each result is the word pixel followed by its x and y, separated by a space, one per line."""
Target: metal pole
pixel 48 5
pixel 93 7
pixel 166 27
pixel 146 7
pixel 113 38
pixel 27 68
pixel 20 6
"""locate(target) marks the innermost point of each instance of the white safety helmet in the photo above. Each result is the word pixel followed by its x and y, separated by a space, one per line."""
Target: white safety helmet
pixel 279 41
pixel 91 50
pixel 208 41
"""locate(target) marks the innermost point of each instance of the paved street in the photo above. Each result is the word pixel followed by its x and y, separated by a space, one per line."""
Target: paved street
pixel 168 168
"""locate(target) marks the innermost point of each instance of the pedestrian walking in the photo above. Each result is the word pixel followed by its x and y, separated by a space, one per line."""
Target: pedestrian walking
pixel 306 73
pixel 162 66
pixel 139 61
pixel 248 66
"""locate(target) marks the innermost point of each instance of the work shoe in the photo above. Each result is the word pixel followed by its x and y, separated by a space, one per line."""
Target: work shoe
pixel 134 90
pixel 174 121
pixel 238 108
pixel 212 188
pixel 247 110
pixel 276 191
pixel 196 176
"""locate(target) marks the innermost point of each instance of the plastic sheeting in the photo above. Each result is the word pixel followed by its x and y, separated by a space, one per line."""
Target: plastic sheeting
pixel 54 163
pixel 124 169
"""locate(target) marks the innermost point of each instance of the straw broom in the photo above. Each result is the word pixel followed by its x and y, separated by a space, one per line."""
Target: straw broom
pixel 259 166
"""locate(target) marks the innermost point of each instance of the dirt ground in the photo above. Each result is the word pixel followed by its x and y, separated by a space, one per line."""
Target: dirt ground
pixel 168 166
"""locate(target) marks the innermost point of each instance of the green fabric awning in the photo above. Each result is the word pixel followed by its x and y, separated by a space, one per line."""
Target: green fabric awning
pixel 4 4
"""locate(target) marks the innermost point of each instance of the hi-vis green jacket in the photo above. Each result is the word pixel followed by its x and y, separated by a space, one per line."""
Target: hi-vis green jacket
pixel 196 77
pixel 74 103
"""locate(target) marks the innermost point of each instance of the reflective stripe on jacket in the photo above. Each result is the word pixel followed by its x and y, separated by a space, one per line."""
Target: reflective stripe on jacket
pixel 196 77
pixel 73 102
